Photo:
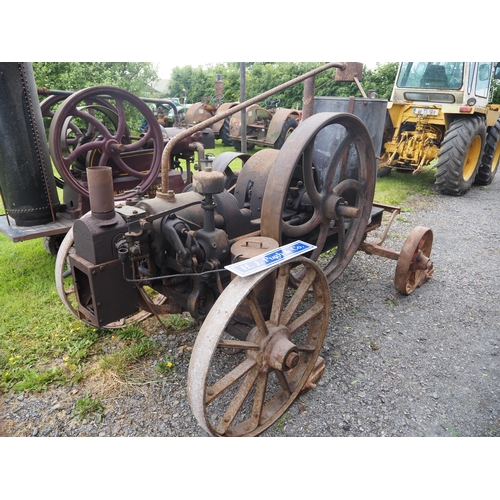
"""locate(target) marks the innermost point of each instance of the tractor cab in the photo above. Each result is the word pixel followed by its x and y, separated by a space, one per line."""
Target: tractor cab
pixel 444 83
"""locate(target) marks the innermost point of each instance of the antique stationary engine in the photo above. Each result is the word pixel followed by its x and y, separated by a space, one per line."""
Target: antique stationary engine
pixel 139 253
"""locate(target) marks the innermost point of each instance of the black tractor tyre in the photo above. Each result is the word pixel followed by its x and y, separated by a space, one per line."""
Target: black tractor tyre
pixel 288 127
pixel 460 155
pixel 51 244
pixel 383 171
pixel 491 157
pixel 237 146
pixel 224 133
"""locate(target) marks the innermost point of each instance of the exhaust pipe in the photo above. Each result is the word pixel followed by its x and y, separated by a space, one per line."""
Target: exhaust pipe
pixel 101 194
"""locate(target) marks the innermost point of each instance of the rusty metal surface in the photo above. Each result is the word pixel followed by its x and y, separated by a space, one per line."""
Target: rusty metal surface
pixel 100 185
pixel 222 164
pixel 65 287
pixel 277 123
pixel 270 359
pixel 252 181
pixel 336 189
pixel 221 109
pixel 166 160
pixel 246 248
pixel 353 71
pixel 414 266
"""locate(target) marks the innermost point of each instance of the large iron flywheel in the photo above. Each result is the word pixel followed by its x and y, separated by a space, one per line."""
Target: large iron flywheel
pixel 321 188
pixel 92 127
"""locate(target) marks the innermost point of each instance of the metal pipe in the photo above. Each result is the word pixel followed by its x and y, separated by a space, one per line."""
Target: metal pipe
pixel 167 151
pixel 243 98
pixel 101 195
pixel 308 100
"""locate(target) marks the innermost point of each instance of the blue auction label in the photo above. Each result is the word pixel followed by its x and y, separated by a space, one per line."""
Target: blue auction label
pixel 270 259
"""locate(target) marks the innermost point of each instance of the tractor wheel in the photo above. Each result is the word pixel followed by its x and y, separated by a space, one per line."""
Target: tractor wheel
pixel 288 127
pixel 224 133
pixel 51 244
pixel 237 146
pixel 384 155
pixel 460 155
pixel 384 171
pixel 491 157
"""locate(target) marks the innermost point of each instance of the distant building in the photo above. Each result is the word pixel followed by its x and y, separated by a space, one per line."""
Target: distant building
pixel 161 86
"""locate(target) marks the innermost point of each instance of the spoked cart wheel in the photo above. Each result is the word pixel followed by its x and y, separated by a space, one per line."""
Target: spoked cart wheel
pixel 326 169
pixel 244 374
pixel 97 134
pixel 66 288
pixel 414 266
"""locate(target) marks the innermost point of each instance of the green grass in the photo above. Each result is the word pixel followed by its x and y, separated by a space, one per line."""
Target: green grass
pixel 42 343
pixel 89 407
pixel 166 365
pixel 398 186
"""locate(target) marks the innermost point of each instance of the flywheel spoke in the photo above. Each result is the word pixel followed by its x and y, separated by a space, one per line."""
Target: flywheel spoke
pixel 333 154
pixel 337 157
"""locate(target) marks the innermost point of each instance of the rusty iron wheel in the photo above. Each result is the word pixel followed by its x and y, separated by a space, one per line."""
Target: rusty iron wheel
pixel 414 266
pixel 241 387
pixel 340 193
pixel 106 140
pixel 66 288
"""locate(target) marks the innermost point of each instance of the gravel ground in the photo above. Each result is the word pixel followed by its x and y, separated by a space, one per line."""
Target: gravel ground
pixel 427 364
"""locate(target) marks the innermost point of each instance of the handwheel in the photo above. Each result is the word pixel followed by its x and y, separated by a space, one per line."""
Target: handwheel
pixel 414 266
pixel 66 289
pixel 241 387
pixel 75 136
pixel 107 140
pixel 321 189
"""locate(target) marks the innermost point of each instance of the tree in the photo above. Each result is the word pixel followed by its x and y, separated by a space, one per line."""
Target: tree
pixel 381 79
pixel 136 77
pixel 262 76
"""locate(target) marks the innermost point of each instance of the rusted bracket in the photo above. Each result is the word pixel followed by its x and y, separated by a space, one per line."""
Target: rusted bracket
pixel 377 248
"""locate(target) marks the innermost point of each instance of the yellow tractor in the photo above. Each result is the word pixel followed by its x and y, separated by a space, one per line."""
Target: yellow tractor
pixel 442 110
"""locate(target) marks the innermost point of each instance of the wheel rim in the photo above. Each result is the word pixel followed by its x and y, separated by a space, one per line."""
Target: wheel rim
pixel 66 289
pixel 414 266
pixel 340 196
pixel 103 145
pixel 243 394
pixel 222 164
pixel 496 159
pixel 472 158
